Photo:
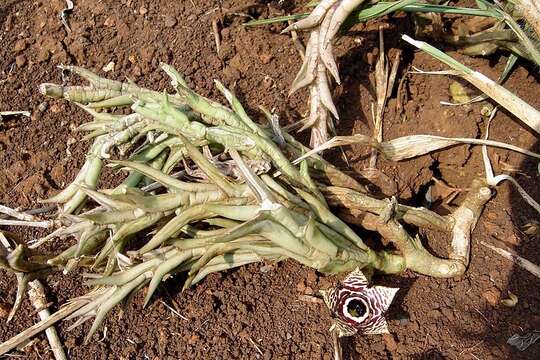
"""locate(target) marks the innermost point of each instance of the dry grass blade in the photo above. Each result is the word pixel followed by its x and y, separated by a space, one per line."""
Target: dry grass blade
pixel 532 15
pixel 384 79
pixel 408 147
pixel 493 180
pixel 16 214
pixel 40 224
pixel 64 14
pixel 523 342
pixel 381 85
pixel 515 258
pixel 298 43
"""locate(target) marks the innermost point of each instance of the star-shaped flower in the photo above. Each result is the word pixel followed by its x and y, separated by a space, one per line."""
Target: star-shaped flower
pixel 358 307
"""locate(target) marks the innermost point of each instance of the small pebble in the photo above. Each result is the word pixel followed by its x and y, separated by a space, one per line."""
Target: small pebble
pixel 20 60
pixel 265 58
pixel 170 21
pixel 43 55
pixel 266 268
pixel 413 327
pixel 39 189
pixel 378 347
pixel 493 275
pixel 70 343
pixel 267 82
pixel 403 320
pixel 311 277
pixel 137 71
pixel 448 313
pixel 193 339
pixel 109 21
pixel 109 67
pixel 20 45
pixel 55 109
pixel 43 106
pixel 434 314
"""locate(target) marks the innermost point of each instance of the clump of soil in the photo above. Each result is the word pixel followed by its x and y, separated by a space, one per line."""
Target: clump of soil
pixel 260 311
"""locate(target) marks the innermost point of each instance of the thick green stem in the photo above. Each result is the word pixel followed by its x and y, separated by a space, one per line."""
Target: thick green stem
pixel 417 258
pixel 354 200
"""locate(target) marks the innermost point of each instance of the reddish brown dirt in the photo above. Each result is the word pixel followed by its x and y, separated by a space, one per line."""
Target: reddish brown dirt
pixel 247 313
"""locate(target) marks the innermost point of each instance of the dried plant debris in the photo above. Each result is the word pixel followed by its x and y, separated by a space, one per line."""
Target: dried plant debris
pixel 225 216
pixel 64 14
pixel 13 113
pixel 36 293
pixel 522 342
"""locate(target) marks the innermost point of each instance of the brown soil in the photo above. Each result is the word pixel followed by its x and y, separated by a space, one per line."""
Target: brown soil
pixel 258 311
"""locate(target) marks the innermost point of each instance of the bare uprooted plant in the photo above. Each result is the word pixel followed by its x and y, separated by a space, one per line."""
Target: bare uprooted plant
pixel 208 190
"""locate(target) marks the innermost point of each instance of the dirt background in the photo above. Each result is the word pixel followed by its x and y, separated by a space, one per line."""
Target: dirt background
pixel 258 312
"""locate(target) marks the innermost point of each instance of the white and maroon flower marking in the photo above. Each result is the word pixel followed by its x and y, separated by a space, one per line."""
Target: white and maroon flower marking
pixel 358 307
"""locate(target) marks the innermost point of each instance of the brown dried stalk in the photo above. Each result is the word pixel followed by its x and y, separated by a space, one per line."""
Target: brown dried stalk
pixel 36 293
